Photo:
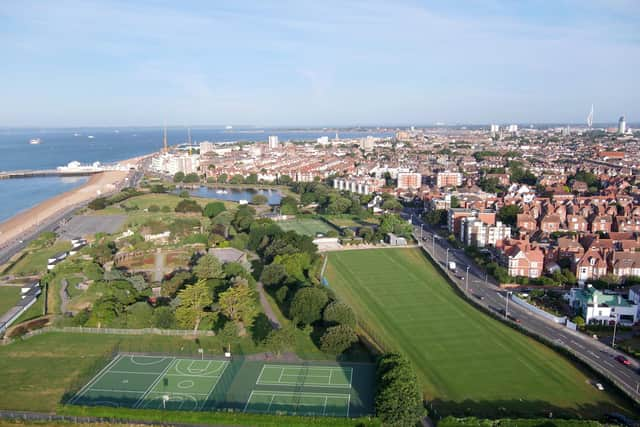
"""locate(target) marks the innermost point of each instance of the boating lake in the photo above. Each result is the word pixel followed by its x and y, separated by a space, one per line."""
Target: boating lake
pixel 236 194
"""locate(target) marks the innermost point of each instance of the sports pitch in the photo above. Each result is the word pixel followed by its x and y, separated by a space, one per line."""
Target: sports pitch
pixel 156 382
pixel 307 226
pixel 464 358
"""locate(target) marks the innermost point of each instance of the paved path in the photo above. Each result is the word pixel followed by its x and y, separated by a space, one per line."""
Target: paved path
pixel 268 310
pixel 158 272
pixel 64 296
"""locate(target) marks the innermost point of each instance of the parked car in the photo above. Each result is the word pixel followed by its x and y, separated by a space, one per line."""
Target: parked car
pixel 599 386
pixel 623 360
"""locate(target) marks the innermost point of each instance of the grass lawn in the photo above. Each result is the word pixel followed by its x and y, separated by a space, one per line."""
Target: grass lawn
pixel 9 296
pixel 35 262
pixel 308 226
pixel 466 360
pixel 37 372
pixel 342 221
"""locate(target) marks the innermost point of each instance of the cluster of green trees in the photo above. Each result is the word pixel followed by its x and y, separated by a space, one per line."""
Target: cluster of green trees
pixel 398 399
pixel 189 178
pixel 521 175
pixel 291 272
pixel 100 203
pixel 331 201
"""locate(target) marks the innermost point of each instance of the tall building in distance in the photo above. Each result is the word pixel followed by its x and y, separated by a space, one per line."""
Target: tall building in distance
pixel 409 181
pixel 495 129
pixel 165 146
pixel 274 143
pixel 590 118
pixel 622 125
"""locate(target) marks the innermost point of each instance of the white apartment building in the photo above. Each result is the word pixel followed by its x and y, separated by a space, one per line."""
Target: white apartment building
pixel 409 181
pixel 448 179
pixel 274 143
pixel 600 308
pixel 474 232
pixel 173 163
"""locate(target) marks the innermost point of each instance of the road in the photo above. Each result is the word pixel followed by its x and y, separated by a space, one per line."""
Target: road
pixel 51 224
pixel 486 293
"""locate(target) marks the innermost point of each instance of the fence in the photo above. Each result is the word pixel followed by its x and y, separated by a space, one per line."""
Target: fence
pixel 113 331
pixel 560 320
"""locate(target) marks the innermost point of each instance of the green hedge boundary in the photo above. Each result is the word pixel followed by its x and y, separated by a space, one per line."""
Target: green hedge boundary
pixel 213 417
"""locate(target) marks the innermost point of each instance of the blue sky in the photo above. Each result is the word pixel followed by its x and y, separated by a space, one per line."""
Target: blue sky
pixel 271 63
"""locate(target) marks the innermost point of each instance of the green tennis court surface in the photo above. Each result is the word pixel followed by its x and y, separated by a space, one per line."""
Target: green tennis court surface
pixel 308 388
pixel 316 376
pixel 310 404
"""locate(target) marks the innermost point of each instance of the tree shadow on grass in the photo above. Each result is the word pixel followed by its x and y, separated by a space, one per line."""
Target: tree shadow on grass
pixel 520 408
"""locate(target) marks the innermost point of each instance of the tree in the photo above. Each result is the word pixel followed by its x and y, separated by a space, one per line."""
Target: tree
pixel 191 178
pixel 178 177
pixel 212 209
pixel 251 179
pixel 208 267
pixel 579 321
pixel 188 205
pixel 339 313
pixel 508 214
pixel 392 205
pixel 139 315
pixel 307 304
pixel 184 194
pixel 337 339
pixel 194 299
pixel 284 180
pixel 171 286
pixel 279 340
pixel 455 202
pixel 238 303
pixel 259 199
pixel 398 400
pixel 273 275
pixel 222 178
pixel 288 206
pixel 436 217
pixel 98 204
pixel 295 265
pixel 236 179
pixel 163 318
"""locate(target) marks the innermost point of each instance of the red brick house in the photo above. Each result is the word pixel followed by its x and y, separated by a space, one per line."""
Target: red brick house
pixel 601 223
pixel 524 260
pixel 550 223
pixel 577 223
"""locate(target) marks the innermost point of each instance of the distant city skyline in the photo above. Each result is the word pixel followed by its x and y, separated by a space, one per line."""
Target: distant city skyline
pixel 307 63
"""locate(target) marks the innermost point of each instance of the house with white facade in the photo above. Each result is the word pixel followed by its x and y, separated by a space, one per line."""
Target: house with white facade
pixel 597 307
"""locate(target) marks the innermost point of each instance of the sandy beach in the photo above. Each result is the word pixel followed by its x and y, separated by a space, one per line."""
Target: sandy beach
pixel 20 225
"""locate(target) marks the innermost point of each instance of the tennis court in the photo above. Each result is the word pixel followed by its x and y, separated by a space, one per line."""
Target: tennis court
pixel 299 403
pixel 153 382
pixel 313 388
pixel 312 376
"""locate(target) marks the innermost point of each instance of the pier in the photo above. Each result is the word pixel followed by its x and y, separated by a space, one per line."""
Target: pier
pixel 45 173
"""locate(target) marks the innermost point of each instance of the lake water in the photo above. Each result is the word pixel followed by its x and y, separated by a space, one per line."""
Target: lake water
pixel 17 195
pixel 236 194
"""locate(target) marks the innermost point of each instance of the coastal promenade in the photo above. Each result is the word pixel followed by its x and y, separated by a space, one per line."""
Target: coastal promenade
pixel 45 173
pixel 16 232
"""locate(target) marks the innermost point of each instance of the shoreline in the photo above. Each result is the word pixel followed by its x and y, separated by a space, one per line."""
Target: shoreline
pixel 37 218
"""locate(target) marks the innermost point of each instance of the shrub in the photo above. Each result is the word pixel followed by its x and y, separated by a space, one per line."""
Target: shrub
pixel 339 313
pixel 337 339
pixel 307 305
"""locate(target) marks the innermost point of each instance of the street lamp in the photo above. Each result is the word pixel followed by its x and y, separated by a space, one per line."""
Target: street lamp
pixel 615 323
pixel 434 244
pixel 467 286
pixel 448 257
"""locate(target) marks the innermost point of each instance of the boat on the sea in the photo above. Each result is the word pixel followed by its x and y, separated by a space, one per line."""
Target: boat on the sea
pixel 35 141
pixel 91 137
pixel 76 134
pixel 222 192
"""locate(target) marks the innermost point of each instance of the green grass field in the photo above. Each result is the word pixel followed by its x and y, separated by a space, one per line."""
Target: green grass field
pixel 467 361
pixel 35 261
pixel 308 226
pixel 9 296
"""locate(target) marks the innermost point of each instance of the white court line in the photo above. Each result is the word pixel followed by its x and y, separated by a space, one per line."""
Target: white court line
pixel 281 374
pixel 271 403
pixel 324 407
pixel 248 401
pixel 154 384
pixel 350 379
pixel 133 373
pixel 214 384
pixel 348 405
pixel 95 379
pixel 110 390
pixel 261 372
pixel 330 377
pixel 131 358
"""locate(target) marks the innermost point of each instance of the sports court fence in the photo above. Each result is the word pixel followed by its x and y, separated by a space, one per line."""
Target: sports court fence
pixel 112 331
